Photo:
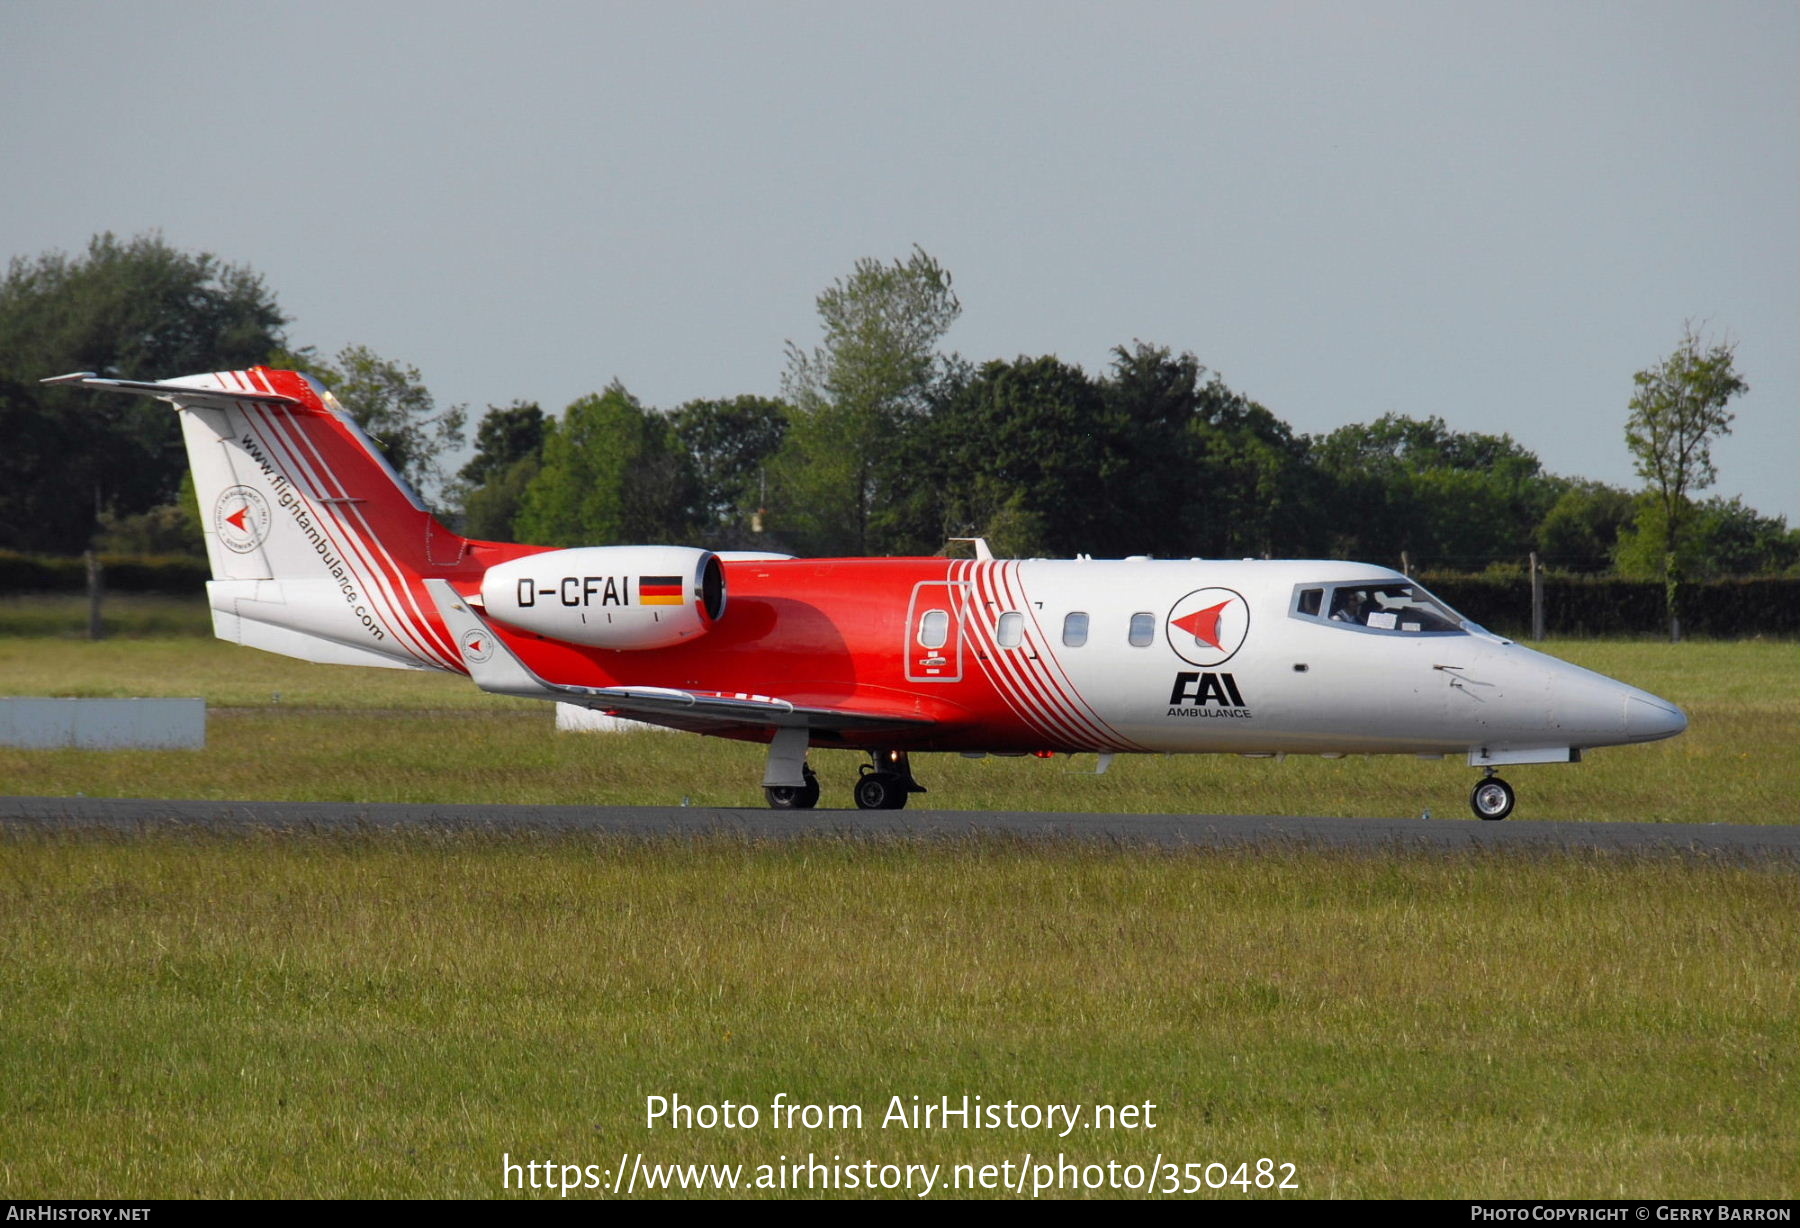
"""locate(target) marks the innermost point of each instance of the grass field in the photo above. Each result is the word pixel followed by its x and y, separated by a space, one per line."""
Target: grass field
pixel 376 1015
pixel 367 1014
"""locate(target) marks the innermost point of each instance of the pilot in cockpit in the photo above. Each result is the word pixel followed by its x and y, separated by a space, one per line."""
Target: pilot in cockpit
pixel 1348 605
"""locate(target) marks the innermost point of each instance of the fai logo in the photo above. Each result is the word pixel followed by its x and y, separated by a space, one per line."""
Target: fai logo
pixel 1208 626
pixel 477 645
pixel 241 519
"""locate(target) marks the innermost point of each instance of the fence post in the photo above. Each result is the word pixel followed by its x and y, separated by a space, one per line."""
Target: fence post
pixel 1537 599
pixel 95 591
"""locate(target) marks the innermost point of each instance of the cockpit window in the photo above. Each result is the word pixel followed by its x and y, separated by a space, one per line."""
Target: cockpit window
pixel 1399 607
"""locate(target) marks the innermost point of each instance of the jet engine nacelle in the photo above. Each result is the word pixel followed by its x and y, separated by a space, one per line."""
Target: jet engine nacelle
pixel 609 596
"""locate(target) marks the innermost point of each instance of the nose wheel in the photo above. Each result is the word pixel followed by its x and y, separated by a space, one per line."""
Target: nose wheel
pixel 879 791
pixel 885 782
pixel 1492 798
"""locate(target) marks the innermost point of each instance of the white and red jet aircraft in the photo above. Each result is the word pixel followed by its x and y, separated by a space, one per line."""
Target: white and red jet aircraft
pixel 319 551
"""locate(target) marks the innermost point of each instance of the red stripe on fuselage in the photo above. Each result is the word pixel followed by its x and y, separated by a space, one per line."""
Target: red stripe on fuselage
pixel 1008 667
pixel 1048 666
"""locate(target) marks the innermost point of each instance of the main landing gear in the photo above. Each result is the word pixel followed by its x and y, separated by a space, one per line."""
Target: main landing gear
pixel 1492 797
pixel 885 783
pixel 794 797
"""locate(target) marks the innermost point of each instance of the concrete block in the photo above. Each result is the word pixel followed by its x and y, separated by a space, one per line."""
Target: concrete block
pixel 103 724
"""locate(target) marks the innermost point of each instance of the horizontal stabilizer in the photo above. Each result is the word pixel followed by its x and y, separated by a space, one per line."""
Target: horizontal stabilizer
pixel 171 390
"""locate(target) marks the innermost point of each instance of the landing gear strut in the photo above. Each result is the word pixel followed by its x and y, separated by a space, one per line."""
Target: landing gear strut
pixel 885 781
pixel 1492 798
pixel 787 782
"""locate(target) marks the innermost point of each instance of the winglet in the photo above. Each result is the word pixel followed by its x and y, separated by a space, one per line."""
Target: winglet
pixel 491 664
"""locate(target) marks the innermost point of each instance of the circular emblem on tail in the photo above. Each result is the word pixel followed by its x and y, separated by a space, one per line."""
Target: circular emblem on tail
pixel 477 645
pixel 1208 626
pixel 241 518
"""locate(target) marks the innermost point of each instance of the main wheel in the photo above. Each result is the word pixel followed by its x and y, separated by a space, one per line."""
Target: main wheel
pixel 1492 798
pixel 880 791
pixel 794 797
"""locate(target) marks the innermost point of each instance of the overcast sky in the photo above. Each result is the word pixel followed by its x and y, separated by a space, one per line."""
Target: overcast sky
pixel 1492 213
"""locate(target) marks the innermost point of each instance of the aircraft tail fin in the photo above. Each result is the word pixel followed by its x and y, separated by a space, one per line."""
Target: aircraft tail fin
pixel 318 549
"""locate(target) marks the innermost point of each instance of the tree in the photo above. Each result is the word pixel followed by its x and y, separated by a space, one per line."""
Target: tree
pixel 728 445
pixel 509 446
pixel 491 511
pixel 1581 530
pixel 1210 472
pixel 611 475
pixel 1012 453
pixel 389 400
pixel 857 391
pixel 1158 457
pixel 137 309
pixel 168 528
pixel 1415 485
pixel 1722 537
pixel 1676 413
pixel 504 437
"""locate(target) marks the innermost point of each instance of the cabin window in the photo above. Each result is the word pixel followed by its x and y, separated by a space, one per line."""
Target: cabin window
pixel 1011 629
pixel 1143 630
pixel 1075 629
pixel 934 628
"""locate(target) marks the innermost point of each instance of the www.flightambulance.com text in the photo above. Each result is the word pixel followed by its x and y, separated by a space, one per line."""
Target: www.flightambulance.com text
pixel 1023 1173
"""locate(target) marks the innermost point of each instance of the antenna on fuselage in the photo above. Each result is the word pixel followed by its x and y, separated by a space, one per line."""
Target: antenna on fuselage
pixel 982 553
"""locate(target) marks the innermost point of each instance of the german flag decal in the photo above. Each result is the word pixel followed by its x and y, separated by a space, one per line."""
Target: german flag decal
pixel 659 590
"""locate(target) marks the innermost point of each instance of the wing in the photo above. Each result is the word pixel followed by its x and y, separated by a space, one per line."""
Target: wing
pixel 495 668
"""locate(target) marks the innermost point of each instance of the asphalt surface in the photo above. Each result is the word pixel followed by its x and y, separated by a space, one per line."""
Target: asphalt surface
pixel 1778 842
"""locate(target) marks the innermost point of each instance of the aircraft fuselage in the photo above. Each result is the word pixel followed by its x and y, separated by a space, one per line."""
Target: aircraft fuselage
pixel 1087 655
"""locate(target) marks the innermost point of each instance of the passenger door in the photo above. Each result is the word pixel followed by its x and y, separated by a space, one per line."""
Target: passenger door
pixel 933 648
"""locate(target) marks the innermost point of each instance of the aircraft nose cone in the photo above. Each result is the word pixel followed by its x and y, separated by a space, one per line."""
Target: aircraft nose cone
pixel 1648 718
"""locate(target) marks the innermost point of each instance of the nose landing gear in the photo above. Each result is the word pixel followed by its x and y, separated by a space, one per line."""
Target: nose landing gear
pixel 885 782
pixel 1492 797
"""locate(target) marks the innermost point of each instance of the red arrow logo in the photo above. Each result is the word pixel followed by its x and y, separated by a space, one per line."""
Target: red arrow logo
pixel 238 517
pixel 1203 625
pixel 475 646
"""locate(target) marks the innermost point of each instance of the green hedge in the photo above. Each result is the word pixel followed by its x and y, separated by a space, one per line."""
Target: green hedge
pixel 126 573
pixel 1587 605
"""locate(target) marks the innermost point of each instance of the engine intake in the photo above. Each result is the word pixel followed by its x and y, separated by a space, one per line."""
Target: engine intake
pixel 623 597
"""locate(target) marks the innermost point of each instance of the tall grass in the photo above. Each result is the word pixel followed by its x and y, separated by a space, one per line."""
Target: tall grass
pixel 347 1015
